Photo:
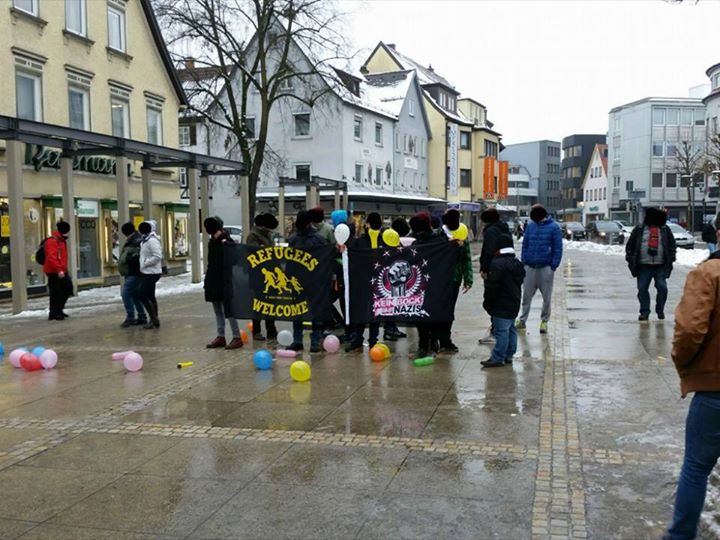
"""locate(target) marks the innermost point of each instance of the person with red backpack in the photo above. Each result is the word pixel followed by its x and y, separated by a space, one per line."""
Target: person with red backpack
pixel 55 266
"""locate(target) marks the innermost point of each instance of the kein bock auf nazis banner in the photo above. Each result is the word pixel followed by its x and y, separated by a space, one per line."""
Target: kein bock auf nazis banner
pixel 408 284
pixel 278 282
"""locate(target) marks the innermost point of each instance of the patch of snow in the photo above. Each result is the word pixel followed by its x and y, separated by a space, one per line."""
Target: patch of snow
pixel 684 257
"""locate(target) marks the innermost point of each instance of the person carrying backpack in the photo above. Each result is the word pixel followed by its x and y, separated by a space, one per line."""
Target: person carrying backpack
pixel 129 268
pixel 54 253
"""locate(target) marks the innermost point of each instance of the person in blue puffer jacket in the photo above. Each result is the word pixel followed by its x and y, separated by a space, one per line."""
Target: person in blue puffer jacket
pixel 541 254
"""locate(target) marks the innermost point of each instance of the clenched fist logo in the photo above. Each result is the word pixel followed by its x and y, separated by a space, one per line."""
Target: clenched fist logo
pixel 398 274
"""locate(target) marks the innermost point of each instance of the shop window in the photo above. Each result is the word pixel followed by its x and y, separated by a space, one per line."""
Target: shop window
pixel 179 248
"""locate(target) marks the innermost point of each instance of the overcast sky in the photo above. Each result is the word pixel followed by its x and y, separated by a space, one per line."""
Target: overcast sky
pixel 548 69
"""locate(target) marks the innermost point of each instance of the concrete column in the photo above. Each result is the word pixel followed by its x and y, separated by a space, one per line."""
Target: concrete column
pixel 281 211
pixel 123 190
pixel 18 263
pixel 336 204
pixel 314 196
pixel 245 216
pixel 194 225
pixel 205 213
pixel 68 202
pixel 346 200
pixel 147 194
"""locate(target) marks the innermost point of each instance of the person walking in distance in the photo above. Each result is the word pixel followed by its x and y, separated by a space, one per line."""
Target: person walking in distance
pixel 502 301
pixel 129 268
pixel 541 254
pixel 151 259
pixel 261 236
pixel 709 235
pixel 696 355
pixel 55 266
pixel 214 283
pixel 650 254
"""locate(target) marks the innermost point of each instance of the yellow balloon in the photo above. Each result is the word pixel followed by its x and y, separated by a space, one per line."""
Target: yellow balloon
pixel 391 237
pixel 385 349
pixel 461 233
pixel 300 371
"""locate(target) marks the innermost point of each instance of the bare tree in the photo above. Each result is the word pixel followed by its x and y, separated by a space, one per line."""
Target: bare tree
pixel 241 47
pixel 690 161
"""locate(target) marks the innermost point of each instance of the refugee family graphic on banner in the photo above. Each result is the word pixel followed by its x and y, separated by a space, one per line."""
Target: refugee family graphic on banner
pixel 278 282
pixel 408 284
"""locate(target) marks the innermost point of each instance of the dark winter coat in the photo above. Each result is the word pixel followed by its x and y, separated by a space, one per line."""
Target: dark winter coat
pixel 633 249
pixel 428 237
pixel 215 275
pixel 709 234
pixel 503 287
pixel 260 236
pixel 306 239
pixel 542 244
pixel 129 261
pixel 490 236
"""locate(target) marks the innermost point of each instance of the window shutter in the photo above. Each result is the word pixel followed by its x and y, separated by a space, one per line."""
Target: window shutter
pixel 193 134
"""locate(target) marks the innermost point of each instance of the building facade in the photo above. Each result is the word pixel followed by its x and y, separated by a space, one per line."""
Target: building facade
pixel 646 142
pixel 542 160
pixel 595 187
pixel 576 154
pixel 522 191
pixel 100 67
pixel 712 112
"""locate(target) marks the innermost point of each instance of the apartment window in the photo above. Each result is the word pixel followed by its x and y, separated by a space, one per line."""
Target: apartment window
pixel 412 145
pixel 79 108
pixel 618 124
pixel 670 180
pixel 686 117
pixel 28 96
pixel 411 107
pixel 357 127
pixel 116 27
pixel 673 117
pixel 302 124
pixel 120 112
pixel 604 193
pixel 658 117
pixel 358 172
pixel 657 180
pixel 397 142
pixel 629 185
pixel 465 178
pixel 76 16
pixel 249 127
pixel 378 176
pixel 491 148
pixel 28 6
pixel 423 147
pixel 286 84
pixel 154 126
pixel 184 135
pixel 378 134
pixel 657 149
pixel 415 149
pixel 699 117
pixel 671 150
pixel 302 172
pixel 465 140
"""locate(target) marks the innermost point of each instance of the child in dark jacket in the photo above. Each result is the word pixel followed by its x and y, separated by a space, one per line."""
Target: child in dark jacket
pixel 502 300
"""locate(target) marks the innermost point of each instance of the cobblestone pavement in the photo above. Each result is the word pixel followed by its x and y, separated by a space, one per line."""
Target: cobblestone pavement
pixel 580 438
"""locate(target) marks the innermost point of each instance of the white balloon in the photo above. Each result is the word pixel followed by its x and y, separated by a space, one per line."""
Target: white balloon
pixel 285 338
pixel 342 233
pixel 48 359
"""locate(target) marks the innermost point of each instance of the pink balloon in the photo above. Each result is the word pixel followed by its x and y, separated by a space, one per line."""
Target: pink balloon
pixel 331 344
pixel 120 355
pixel 133 361
pixel 15 356
pixel 285 353
pixel 48 359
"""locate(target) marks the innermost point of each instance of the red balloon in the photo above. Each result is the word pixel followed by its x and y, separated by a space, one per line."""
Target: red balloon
pixel 30 362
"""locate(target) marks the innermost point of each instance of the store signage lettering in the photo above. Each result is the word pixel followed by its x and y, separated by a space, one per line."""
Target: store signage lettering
pixel 41 157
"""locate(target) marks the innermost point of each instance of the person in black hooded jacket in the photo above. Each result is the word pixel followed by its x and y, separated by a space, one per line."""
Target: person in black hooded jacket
pixel 492 229
pixel 215 284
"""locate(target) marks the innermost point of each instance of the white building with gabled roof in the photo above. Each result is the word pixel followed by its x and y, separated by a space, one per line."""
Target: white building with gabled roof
pixel 596 186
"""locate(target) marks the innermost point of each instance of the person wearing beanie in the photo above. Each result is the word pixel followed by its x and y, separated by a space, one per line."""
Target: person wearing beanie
pixel 261 236
pixel 306 237
pixel 501 300
pixel 492 228
pixel 462 276
pixel 541 254
pixel 151 264
pixel 322 227
pixel 129 268
pixel 214 284
pixel 650 254
pixel 60 286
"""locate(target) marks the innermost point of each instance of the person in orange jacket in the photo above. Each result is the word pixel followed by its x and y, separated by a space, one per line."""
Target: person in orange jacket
pixel 55 267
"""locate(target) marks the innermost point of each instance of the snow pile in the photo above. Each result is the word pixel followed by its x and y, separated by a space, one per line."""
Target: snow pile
pixel 684 257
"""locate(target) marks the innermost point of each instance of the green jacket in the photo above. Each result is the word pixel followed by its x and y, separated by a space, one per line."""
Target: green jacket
pixel 463 268
pixel 260 236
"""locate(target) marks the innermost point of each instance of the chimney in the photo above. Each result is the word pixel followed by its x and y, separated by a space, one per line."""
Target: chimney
pixel 189 62
pixel 391 45
pixel 430 68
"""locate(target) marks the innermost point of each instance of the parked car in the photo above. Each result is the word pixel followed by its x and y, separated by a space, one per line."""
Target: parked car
pixel 605 232
pixel 573 230
pixel 683 239
pixel 625 226
pixel 235 232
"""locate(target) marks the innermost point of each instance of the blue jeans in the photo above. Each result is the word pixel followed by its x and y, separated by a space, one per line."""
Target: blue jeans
pixel 644 276
pixel 131 299
pixel 505 339
pixel 702 449
pixel 712 248
pixel 315 335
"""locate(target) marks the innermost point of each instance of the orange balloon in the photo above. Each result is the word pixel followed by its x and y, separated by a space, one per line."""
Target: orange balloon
pixel 377 354
pixel 243 336
pixel 250 326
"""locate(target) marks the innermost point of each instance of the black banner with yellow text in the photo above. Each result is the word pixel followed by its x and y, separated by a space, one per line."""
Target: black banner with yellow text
pixel 278 282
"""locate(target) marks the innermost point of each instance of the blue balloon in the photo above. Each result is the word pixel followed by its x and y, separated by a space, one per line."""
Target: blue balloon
pixel 263 359
pixel 37 351
pixel 2 348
